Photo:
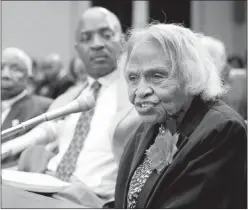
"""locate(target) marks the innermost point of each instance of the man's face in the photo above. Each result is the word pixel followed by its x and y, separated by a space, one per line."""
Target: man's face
pixel 155 95
pixel 14 76
pixel 98 43
pixel 51 69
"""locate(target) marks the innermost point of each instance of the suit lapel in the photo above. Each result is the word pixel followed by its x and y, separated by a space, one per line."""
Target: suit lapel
pixel 15 113
pixel 143 140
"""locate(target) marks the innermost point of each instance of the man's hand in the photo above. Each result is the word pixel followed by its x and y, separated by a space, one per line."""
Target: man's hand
pixel 53 146
pixel 5 155
pixel 80 194
pixel 9 149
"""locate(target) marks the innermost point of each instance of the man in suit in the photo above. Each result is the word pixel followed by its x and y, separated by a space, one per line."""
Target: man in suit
pixel 18 105
pixel 93 174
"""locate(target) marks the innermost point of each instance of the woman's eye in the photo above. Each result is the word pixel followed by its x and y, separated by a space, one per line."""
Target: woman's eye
pixel 132 78
pixel 157 76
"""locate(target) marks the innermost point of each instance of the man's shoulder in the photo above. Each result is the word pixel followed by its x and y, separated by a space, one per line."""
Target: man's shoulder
pixel 36 102
pixel 40 99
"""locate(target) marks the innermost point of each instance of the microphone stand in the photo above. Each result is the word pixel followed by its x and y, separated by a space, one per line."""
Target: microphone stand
pixel 23 126
pixel 68 109
pixel 83 103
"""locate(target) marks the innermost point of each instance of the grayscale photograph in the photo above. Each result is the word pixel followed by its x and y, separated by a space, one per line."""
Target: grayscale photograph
pixel 124 104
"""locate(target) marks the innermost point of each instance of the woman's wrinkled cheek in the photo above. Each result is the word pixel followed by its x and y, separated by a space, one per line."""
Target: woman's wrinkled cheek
pixel 162 113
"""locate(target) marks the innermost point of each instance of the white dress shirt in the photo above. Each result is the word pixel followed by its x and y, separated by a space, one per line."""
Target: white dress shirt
pixel 96 165
pixel 7 104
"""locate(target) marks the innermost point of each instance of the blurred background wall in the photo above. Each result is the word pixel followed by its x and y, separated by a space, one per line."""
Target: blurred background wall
pixel 42 27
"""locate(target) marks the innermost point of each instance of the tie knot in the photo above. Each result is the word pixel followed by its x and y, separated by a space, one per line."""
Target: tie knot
pixel 95 87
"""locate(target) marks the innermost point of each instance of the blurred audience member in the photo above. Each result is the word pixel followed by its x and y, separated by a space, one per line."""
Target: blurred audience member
pixel 85 157
pixel 18 105
pixel 236 62
pixel 236 97
pixel 77 70
pixel 55 79
pixel 35 78
pixel 79 76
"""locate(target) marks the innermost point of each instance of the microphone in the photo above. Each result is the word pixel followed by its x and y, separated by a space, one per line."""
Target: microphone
pixel 82 104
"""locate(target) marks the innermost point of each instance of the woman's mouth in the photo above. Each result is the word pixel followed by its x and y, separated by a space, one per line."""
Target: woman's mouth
pixel 144 107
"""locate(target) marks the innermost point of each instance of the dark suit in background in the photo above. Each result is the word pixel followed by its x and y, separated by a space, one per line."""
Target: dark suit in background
pixel 24 109
pixel 208 171
pixel 53 89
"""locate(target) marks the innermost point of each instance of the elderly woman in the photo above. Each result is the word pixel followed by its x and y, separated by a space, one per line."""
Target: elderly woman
pixel 190 152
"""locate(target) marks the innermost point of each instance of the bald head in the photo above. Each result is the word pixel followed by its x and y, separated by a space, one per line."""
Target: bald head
pixel 16 66
pixel 52 65
pixel 100 12
pixel 12 52
pixel 98 41
pixel 53 58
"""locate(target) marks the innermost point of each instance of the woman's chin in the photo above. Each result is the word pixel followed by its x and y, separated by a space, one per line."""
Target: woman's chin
pixel 151 119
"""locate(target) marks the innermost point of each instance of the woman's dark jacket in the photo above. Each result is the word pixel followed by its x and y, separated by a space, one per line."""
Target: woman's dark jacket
pixel 209 169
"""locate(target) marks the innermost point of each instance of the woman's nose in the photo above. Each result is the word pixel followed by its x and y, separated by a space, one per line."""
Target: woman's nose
pixel 143 91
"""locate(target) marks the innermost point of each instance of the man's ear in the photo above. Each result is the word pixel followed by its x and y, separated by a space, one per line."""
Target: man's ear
pixel 122 39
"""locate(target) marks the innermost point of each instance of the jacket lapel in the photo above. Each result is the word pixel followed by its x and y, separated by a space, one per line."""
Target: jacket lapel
pixel 143 140
pixel 14 114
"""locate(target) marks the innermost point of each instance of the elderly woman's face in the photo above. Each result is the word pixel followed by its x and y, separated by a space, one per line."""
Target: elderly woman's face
pixel 156 96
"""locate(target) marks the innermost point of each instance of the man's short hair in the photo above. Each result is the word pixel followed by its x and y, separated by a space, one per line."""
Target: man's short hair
pixel 22 56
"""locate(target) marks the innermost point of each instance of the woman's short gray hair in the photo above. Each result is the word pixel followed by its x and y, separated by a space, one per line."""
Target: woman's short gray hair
pixel 190 61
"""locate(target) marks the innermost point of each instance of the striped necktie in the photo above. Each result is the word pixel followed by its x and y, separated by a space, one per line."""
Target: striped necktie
pixel 68 163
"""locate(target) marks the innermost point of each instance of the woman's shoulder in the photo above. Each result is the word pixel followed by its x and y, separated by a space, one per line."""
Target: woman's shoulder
pixel 221 113
pixel 222 123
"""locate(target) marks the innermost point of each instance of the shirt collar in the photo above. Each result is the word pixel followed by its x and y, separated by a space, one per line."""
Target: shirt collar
pixel 8 103
pixel 106 80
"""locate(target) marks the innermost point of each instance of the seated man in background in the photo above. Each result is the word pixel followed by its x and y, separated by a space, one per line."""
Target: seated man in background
pixel 18 105
pixel 85 157
pixel 236 97
pixel 79 77
pixel 55 80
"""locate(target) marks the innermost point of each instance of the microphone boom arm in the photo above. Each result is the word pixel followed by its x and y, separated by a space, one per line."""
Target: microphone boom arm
pixel 83 103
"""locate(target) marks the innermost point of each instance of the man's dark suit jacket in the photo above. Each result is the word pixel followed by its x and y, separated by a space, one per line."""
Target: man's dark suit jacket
pixel 26 108
pixel 53 89
pixel 209 169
